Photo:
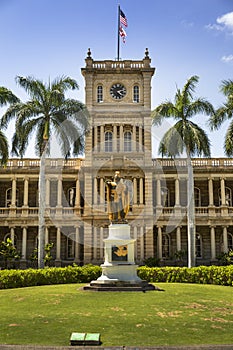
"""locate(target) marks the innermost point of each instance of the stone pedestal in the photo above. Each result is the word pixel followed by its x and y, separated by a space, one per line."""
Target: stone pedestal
pixel 119 271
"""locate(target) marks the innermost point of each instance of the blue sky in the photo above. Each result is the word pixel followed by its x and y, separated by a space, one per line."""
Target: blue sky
pixel 49 38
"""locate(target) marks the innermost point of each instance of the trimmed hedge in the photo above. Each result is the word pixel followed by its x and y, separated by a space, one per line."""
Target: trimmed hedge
pixel 46 276
pixel 220 275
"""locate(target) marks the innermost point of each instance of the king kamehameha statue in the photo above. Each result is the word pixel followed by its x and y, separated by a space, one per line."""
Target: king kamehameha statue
pixel 118 198
pixel 119 272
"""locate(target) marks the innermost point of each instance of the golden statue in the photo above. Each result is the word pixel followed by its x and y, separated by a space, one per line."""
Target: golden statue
pixel 118 199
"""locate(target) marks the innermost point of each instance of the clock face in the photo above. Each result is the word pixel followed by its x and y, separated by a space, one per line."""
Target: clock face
pixel 118 91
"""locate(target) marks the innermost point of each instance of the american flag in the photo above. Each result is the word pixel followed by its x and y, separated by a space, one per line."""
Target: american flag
pixel 123 19
pixel 122 34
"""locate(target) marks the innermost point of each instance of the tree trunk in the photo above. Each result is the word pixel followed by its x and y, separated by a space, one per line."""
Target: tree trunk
pixel 41 230
pixel 191 217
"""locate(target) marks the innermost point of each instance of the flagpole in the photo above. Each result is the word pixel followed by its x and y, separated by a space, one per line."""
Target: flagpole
pixel 118 35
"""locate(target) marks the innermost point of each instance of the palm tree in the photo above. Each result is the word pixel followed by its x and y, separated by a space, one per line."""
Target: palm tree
pixel 6 96
pixel 187 136
pixel 224 113
pixel 47 111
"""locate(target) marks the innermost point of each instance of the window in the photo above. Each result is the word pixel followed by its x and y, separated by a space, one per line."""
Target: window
pixel 197 197
pixel 127 141
pixel 136 93
pixel 198 246
pixel 9 197
pixel 70 246
pixel 71 196
pixel 108 141
pixel 165 246
pixel 228 196
pixel 99 93
pixel 229 242
pixel 165 200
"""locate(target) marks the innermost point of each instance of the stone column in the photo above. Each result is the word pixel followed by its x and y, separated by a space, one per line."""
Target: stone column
pixel 95 243
pixel 158 192
pixel 225 242
pixel 101 243
pixel 135 236
pixel 159 243
pixel 141 190
pixel 142 243
pixel 58 244
pixel 114 138
pixel 77 244
pixel 46 236
pixel 96 138
pixel 102 191
pixel 177 192
pixel 121 138
pixel 211 192
pixel 135 195
pixel 213 243
pixel 12 235
pixel 77 197
pixel 95 191
pixel 47 193
pixel 101 138
pixel 13 193
pixel 140 138
pixel 134 145
pixel 24 243
pixel 88 249
pixel 59 192
pixel 25 192
pixel 178 239
pixel 223 196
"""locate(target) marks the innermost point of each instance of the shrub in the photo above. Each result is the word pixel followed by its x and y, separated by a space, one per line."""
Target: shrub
pixel 220 275
pixel 37 277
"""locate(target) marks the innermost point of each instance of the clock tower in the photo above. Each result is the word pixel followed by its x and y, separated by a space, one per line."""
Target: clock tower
pixel 118 98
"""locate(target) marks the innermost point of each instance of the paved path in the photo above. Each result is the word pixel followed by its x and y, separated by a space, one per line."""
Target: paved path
pixel 37 347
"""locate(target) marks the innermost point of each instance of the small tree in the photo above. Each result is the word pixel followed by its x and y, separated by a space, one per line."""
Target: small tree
pixel 8 252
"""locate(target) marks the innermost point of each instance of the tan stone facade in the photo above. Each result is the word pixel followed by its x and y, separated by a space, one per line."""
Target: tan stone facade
pixel 118 97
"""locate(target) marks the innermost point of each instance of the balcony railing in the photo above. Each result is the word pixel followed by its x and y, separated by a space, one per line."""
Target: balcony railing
pixel 196 163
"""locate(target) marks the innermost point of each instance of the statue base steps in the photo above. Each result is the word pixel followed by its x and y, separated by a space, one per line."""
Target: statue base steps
pixel 120 286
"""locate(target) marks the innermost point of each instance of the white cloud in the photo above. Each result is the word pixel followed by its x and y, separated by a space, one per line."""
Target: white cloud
pixel 223 23
pixel 226 20
pixel 227 59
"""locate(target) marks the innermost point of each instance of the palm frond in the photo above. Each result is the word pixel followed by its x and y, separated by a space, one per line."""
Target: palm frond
pixel 7 96
pixel 228 143
pixel 3 149
pixel 164 110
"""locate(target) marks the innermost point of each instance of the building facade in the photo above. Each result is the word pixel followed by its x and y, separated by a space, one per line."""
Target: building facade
pixel 118 97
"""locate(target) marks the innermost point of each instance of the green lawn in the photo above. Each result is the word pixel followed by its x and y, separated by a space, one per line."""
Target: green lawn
pixel 182 314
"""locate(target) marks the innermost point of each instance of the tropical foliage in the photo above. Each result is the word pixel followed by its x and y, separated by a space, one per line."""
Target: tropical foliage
pixel 224 113
pixel 184 135
pixel 48 112
pixel 6 96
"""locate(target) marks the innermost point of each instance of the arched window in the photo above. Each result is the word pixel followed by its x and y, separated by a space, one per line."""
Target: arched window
pixel 99 93
pixel 70 245
pixel 108 141
pixel 165 198
pixel 71 196
pixel 136 93
pixel 198 245
pixel 165 246
pixel 8 235
pixel 127 141
pixel 228 196
pixel 9 197
pixel 197 196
